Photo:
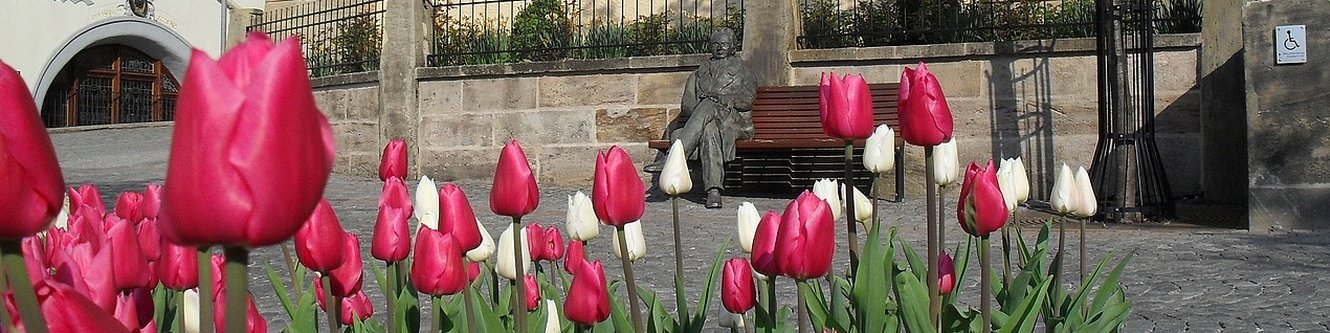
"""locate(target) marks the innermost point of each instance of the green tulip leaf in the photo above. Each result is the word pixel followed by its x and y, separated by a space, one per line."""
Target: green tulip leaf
pixel 658 320
pixel 1024 316
pixel 917 265
pixel 840 305
pixel 618 316
pixel 817 304
pixel 868 295
pixel 961 265
pixel 699 319
pixel 912 296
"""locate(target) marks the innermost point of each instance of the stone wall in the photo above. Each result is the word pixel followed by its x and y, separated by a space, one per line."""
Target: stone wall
pixel 351 103
pixel 1035 99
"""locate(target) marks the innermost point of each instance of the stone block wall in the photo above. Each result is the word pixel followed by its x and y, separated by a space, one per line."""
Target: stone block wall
pixel 1035 99
pixel 351 103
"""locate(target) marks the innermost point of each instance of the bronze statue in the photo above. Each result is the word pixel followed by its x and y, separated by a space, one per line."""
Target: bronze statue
pixel 717 102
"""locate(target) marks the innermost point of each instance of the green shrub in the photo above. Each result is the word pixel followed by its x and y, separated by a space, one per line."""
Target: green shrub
pixel 358 43
pixel 603 41
pixel 1178 16
pixel 822 23
pixel 694 35
pixel 470 43
pixel 542 31
pixel 649 35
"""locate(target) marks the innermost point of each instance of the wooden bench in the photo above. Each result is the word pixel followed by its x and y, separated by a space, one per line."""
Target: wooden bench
pixel 788 149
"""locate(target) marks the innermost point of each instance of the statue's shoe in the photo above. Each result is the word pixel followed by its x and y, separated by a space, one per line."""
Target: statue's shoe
pixel 714 199
pixel 654 167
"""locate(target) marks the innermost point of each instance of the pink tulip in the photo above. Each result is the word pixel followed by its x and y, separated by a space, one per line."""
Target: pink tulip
pixel 846 105
pixel 805 242
pixel 617 193
pixel 947 279
pixel 394 159
pixel 86 226
pixel 472 271
pixel 129 267
pixel 35 259
pixel 320 243
pixel 348 278
pixel 764 256
pixel 152 201
pixel 924 114
pixel 552 249
pixel 588 301
pixel 89 271
pixel 437 267
pixel 391 240
pixel 532 293
pixel 981 209
pixel 179 267
pixel 68 311
pixel 575 259
pixel 30 179
pixel 456 218
pixel 135 309
pixel 254 322
pixel 86 195
pixel 127 207
pixel 736 288
pixel 514 192
pixel 535 240
pixel 150 240
pixel 251 153
pixel 358 307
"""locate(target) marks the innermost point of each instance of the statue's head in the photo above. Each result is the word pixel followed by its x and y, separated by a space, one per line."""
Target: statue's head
pixel 723 43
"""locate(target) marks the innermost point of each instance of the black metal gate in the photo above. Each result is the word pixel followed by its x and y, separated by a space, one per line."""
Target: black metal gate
pixel 1127 172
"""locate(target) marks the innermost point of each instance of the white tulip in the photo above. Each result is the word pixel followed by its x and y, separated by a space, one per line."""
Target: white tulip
pixel 731 320
pixel 829 190
pixel 62 219
pixel 674 177
pixel 1063 199
pixel 880 150
pixel 552 319
pixel 748 220
pixel 191 310
pixel 1086 205
pixel 637 243
pixel 1022 180
pixel 504 256
pixel 1006 177
pixel 946 163
pixel 863 208
pixel 582 222
pixel 427 204
pixel 486 248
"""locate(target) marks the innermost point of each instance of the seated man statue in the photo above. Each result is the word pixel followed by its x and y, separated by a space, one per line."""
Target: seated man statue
pixel 717 101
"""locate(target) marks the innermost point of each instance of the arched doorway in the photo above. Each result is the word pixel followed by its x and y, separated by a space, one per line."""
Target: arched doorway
pixel 110 84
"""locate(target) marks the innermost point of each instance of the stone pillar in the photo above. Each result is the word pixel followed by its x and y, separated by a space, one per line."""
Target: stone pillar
pixel 238 19
pixel 770 30
pixel 406 25
pixel 1287 126
pixel 1223 115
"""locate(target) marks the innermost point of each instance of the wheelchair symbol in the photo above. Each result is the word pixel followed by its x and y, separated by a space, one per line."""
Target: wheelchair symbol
pixel 1290 43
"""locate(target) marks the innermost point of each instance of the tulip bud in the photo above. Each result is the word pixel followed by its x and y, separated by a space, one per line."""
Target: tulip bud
pixel 150 240
pixel 505 265
pixel 588 301
pixel 764 258
pixel 535 238
pixel 320 243
pixel 437 268
pixel 863 208
pixel 348 278
pixel 1063 197
pixel 806 240
pixel 179 267
pixel 553 246
pixel 732 320
pixel 748 219
pixel 129 267
pixel 32 181
pixel 846 106
pixel 152 201
pixel 674 177
pixel 617 193
pixel 456 218
pixel 514 192
pixel 946 163
pixel 67 310
pixel 1086 205
pixel 532 292
pixel 947 277
pixel 552 319
pixel 190 306
pixel 981 209
pixel 486 248
pixel 86 195
pixel 127 207
pixel 391 241
pixel 575 259
pixel 829 190
pixel 880 150
pixel 581 222
pixel 1006 177
pixel 427 203
pixel 62 218
pixel 736 287
pixel 1022 180
pixel 357 307
pixel 393 162
pixel 637 246
pixel 925 116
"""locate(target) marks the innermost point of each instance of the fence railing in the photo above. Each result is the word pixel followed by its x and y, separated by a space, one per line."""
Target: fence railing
pixel 851 23
pixel 507 31
pixel 338 36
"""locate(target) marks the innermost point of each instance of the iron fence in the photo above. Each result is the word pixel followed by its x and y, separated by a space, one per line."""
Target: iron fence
pixel 337 36
pixel 507 31
pixel 855 23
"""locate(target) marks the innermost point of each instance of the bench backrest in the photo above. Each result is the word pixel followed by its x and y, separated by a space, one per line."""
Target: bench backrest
pixel 793 112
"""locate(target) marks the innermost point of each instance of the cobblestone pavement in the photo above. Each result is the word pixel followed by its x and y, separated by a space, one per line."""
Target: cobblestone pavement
pixel 1182 279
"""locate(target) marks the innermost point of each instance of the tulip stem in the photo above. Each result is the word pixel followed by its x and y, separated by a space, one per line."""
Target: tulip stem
pixel 744 320
pixel 985 287
pixel 206 298
pixel 803 306
pixel 470 308
pixel 1057 266
pixel 1082 258
pixel 332 307
pixel 771 304
pixel 930 184
pixel 872 188
pixel 6 315
pixel 518 303
pixel 679 294
pixel 391 296
pixel 436 311
pixel 628 276
pixel 850 214
pixel 494 284
pixel 28 308
pixel 180 312
pixel 1006 251
pixel 237 289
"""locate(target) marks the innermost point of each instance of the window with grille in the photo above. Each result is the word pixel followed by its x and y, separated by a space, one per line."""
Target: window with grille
pixel 110 84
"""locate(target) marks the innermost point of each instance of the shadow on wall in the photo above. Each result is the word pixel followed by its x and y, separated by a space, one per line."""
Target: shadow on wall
pixel 1023 128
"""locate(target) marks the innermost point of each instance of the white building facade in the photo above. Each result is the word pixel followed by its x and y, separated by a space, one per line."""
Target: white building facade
pixel 94 62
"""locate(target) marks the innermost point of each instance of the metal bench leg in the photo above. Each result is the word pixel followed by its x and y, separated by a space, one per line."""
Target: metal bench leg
pixel 900 174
